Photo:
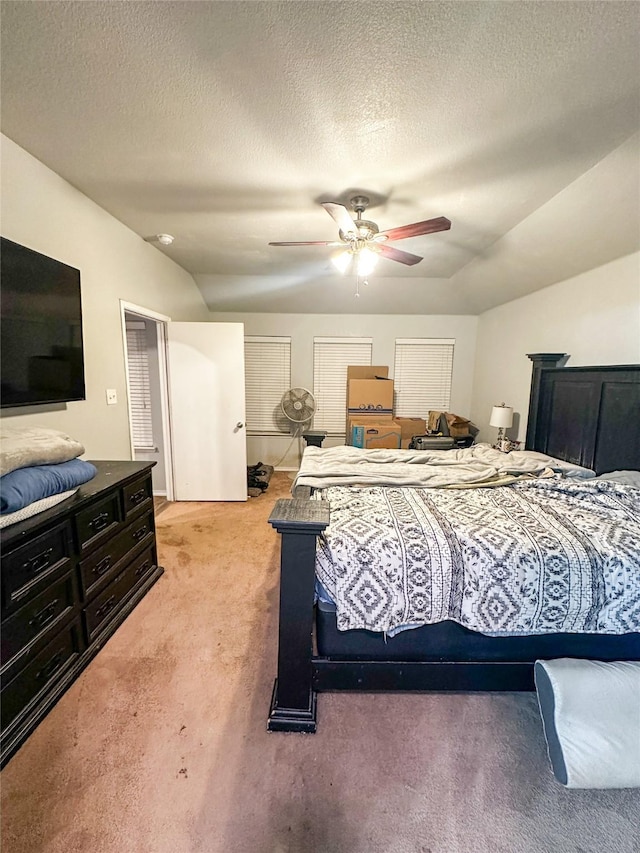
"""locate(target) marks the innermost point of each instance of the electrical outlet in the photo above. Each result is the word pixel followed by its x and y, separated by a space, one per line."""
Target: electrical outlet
pixel 112 397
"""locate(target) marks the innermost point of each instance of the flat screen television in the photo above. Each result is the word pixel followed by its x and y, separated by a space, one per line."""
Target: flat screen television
pixel 41 352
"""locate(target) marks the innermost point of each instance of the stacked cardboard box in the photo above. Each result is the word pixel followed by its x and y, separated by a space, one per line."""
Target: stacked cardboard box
pixel 410 427
pixel 370 421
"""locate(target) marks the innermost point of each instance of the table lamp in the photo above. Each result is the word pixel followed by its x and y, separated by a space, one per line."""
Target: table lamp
pixel 501 417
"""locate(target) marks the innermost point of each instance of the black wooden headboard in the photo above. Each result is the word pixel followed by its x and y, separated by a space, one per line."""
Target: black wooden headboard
pixel 586 415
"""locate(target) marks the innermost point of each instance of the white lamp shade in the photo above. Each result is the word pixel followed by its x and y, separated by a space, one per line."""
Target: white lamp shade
pixel 501 416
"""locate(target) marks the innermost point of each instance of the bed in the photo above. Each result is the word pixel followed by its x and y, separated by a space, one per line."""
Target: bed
pixel 581 418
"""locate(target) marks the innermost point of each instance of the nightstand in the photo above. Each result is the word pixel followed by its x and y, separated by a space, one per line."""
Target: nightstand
pixel 314 439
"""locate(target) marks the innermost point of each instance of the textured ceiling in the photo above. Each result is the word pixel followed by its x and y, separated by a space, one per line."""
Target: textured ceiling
pixel 226 124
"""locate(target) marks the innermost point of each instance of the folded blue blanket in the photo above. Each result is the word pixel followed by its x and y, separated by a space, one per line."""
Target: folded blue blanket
pixel 25 485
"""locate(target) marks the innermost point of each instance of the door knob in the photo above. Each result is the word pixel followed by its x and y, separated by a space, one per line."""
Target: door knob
pixel 239 425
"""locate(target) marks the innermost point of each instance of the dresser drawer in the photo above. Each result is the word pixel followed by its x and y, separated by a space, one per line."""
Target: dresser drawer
pixel 41 616
pixel 136 495
pixel 105 606
pixel 30 567
pixel 96 569
pixel 41 673
pixel 98 522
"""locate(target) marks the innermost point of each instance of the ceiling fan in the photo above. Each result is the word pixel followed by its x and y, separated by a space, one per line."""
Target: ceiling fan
pixel 362 238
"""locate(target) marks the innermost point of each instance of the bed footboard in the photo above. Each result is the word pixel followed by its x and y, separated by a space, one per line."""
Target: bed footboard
pixel 293 703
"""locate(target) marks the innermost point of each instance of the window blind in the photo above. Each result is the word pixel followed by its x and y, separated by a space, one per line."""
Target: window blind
pixel 331 357
pixel 422 376
pixel 139 387
pixel 267 366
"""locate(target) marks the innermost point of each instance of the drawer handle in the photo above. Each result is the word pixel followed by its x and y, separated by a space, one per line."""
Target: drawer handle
pixel 138 497
pixel 102 566
pixel 45 615
pixel 49 668
pixel 100 521
pixel 38 563
pixel 107 607
pixel 142 568
pixel 140 533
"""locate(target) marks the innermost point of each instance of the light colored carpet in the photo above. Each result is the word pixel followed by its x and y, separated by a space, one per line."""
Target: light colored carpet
pixel 161 746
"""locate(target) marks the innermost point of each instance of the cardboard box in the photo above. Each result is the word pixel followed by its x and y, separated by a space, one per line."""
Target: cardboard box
pixel 459 426
pixel 410 427
pixel 365 418
pixel 370 395
pixel 369 435
pixel 367 371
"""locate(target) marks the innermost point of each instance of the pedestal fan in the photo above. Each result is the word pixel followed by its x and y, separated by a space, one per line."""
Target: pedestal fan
pixel 298 406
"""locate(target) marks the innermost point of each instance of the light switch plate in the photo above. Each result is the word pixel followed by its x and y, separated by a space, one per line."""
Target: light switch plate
pixel 112 397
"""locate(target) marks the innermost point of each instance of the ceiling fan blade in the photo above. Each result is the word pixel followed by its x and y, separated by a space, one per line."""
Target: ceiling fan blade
pixel 341 216
pixel 308 243
pixel 429 226
pixel 400 256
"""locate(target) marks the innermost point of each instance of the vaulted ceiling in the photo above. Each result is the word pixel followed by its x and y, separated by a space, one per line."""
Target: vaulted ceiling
pixel 226 124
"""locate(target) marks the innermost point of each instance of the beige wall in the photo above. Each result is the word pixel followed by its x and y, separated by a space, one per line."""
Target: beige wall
pixel 383 329
pixel 42 211
pixel 594 317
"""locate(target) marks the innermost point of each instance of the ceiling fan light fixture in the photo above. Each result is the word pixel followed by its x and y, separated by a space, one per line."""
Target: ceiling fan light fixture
pixel 342 261
pixel 367 261
pixel 366 229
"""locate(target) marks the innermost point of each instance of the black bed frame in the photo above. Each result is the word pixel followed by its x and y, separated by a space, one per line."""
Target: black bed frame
pixel 585 415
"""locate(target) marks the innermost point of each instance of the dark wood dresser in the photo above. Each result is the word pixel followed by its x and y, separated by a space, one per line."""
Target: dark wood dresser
pixel 70 576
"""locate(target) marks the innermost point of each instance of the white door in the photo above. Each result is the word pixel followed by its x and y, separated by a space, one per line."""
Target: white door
pixel 207 402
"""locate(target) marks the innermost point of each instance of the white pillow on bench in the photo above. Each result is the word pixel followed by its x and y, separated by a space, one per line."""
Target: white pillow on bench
pixel 591 716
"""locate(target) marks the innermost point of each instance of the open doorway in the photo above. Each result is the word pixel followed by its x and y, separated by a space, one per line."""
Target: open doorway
pixel 144 335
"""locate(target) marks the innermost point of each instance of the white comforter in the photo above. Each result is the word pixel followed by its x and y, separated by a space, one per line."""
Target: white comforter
pixel 340 466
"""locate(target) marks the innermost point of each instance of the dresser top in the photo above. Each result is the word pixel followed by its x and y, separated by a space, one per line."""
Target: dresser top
pixel 111 474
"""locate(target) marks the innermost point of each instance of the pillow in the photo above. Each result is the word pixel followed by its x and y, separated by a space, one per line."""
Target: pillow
pixel 591 718
pixel 567 469
pixel 626 478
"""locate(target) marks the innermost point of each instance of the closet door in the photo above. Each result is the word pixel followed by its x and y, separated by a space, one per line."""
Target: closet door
pixel 207 405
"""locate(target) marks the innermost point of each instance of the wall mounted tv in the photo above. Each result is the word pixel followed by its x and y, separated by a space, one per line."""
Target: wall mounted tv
pixel 41 352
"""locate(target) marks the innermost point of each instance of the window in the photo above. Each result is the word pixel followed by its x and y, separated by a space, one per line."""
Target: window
pixel 422 376
pixel 331 357
pixel 139 386
pixel 267 370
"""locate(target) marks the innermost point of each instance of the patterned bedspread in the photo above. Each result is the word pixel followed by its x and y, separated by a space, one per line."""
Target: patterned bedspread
pixel 539 556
